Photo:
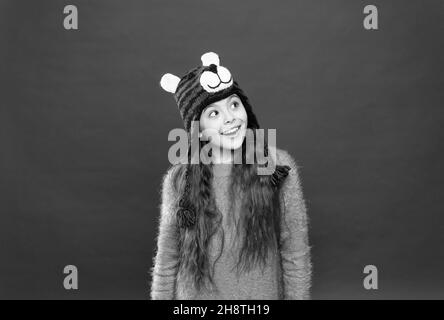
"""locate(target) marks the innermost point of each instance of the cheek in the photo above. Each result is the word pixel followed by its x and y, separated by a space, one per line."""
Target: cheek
pixel 242 114
pixel 209 127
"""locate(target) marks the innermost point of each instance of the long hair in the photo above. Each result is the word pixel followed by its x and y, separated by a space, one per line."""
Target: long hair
pixel 258 227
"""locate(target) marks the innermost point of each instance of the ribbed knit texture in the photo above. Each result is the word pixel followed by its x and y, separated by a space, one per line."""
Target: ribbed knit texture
pixel 191 98
pixel 288 272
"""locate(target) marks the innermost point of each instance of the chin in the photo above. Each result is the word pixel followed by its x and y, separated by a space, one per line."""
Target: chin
pixel 232 144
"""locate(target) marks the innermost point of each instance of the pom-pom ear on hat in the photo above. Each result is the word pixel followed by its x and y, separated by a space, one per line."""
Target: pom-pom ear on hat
pixel 169 82
pixel 210 58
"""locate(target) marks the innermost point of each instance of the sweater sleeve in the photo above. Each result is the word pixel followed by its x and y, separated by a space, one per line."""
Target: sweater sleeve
pixel 164 270
pixel 295 249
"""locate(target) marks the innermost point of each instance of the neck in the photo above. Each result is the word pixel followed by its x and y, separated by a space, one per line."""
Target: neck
pixel 222 156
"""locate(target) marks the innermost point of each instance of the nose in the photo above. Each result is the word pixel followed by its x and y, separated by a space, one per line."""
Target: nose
pixel 228 117
pixel 213 68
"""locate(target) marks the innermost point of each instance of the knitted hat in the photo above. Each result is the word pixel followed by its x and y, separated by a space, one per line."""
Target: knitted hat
pixel 202 86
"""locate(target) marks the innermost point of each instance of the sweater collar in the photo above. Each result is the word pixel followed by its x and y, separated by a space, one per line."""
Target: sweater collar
pixel 222 169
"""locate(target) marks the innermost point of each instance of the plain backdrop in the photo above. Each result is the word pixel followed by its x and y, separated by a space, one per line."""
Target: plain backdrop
pixel 84 127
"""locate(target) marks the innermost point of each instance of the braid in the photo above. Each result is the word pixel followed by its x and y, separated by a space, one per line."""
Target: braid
pixel 186 214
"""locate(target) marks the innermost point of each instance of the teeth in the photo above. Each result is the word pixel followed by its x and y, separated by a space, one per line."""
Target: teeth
pixel 231 130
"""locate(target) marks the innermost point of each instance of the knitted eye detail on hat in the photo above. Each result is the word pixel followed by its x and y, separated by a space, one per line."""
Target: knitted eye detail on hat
pixel 215 78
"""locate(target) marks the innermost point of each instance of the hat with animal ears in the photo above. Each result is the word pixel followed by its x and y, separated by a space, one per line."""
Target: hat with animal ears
pixel 202 86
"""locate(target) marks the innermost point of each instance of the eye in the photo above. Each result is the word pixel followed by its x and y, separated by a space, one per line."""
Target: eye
pixel 234 105
pixel 213 113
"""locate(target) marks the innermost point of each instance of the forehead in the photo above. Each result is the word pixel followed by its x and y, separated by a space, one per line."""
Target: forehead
pixel 223 101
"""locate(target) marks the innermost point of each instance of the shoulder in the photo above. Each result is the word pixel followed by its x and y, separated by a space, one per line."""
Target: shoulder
pixel 172 182
pixel 284 158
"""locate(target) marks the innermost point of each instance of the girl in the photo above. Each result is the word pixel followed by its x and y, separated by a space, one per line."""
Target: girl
pixel 225 231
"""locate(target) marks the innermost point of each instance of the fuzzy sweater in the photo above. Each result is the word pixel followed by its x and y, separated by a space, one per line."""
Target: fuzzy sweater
pixel 287 274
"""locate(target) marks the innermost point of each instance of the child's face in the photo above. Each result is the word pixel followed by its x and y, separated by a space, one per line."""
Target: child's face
pixel 224 123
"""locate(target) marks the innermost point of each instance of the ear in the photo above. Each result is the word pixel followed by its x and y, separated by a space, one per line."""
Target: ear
pixel 210 58
pixel 169 82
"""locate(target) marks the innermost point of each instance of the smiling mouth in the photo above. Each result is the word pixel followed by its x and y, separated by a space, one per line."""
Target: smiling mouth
pixel 220 82
pixel 231 132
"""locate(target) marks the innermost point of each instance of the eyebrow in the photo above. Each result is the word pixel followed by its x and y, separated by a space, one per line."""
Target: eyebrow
pixel 230 98
pixel 233 96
